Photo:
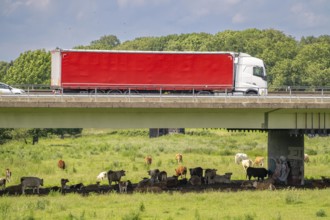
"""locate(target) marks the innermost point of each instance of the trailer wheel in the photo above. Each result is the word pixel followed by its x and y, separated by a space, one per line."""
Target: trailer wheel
pixel 204 93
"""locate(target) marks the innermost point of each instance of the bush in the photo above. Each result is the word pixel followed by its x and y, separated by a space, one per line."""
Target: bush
pixel 321 213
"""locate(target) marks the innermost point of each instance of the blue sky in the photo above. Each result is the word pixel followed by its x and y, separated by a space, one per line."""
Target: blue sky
pixel 35 24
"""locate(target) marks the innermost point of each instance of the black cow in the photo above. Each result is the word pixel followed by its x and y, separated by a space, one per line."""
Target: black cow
pixel 153 175
pixel 261 173
pixel 162 176
pixel 115 176
pixel 197 171
pixel 77 187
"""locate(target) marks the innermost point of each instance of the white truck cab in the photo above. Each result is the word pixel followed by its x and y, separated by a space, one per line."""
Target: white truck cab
pixel 250 75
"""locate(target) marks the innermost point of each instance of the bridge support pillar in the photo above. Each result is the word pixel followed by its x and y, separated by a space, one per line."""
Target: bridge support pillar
pixel 286 156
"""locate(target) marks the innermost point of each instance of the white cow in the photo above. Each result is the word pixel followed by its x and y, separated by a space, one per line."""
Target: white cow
pixel 102 175
pixel 221 178
pixel 306 158
pixel 239 157
pixel 247 163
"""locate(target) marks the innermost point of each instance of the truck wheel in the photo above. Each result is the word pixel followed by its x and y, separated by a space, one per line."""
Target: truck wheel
pixel 251 93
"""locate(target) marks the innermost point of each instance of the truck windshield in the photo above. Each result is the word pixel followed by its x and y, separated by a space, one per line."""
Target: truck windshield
pixel 258 71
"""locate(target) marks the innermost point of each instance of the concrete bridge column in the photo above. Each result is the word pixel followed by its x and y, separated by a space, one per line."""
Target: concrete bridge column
pixel 286 156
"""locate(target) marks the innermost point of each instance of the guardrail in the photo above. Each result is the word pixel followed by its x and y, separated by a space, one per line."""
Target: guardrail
pixel 284 90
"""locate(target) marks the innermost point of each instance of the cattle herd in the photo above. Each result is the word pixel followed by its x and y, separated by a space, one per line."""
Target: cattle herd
pixel 158 180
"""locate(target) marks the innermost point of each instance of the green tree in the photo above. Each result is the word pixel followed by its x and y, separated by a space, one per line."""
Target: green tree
pixel 5 135
pixel 196 42
pixel 31 67
pixel 106 42
pixel 313 64
pixel 4 66
pixel 62 131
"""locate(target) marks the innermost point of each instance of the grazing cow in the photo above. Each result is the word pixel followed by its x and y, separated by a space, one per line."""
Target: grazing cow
pixel 259 161
pixel 181 171
pixel 198 171
pixel 14 189
pixel 123 186
pixel 182 182
pixel 77 186
pixel 115 176
pixel 144 183
pixel 209 175
pixel 162 176
pixel 91 188
pixel 260 173
pixel 63 183
pixel 221 178
pixel 33 182
pixel 102 176
pixel 247 163
pixel 154 175
pixel 267 184
pixel 148 160
pixel 246 184
pixel 239 157
pixel 306 158
pixel 172 181
pixel 319 184
pixel 3 183
pixel 178 157
pixel 8 175
pixel 195 180
pixel 325 179
pixel 64 187
pixel 61 164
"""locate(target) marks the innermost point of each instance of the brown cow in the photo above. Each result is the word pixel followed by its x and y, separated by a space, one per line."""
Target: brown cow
pixel 178 157
pixel 267 184
pixel 61 164
pixel 259 161
pixel 148 160
pixel 181 171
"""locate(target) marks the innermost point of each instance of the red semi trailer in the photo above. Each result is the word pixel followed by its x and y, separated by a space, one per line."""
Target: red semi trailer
pixel 146 71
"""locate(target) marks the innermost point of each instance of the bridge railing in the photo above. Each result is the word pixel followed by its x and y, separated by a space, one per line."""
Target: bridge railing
pixel 288 91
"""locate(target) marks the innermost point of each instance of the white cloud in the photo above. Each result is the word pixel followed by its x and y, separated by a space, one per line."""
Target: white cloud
pixel 133 3
pixel 37 4
pixel 238 18
pixel 10 6
pixel 305 16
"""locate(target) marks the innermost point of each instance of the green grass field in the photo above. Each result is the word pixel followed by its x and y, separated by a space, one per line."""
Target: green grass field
pixel 101 150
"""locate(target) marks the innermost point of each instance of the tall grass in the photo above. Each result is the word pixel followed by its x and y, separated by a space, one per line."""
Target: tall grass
pixel 285 204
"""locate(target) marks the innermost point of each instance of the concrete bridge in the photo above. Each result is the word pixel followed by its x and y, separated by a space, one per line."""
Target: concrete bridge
pixel 286 119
